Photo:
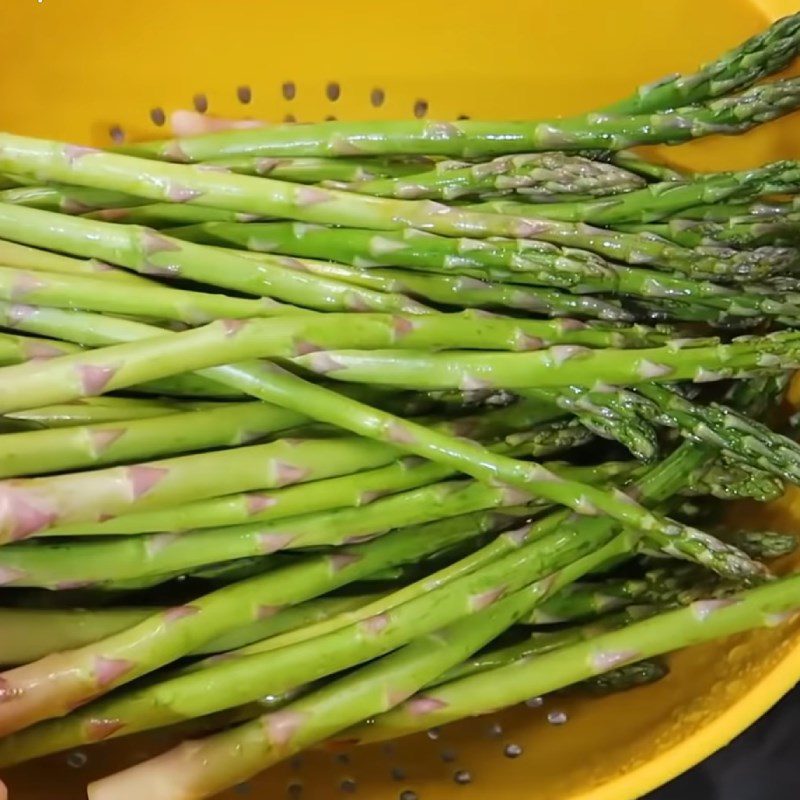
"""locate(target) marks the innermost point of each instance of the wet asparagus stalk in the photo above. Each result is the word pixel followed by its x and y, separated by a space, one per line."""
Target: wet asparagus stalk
pixel 767 605
pixel 472 138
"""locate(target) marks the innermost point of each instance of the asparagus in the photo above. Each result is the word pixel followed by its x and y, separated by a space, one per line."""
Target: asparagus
pixel 760 55
pixel 359 488
pixel 425 371
pixel 767 605
pixel 660 200
pixel 264 196
pixel 631 161
pixel 376 687
pixel 82 674
pixel 156 302
pixel 93 410
pixel 540 256
pixel 61 449
pixel 22 257
pixel 166 215
pixel 763 545
pixel 231 680
pixel 143 250
pixel 732 233
pixel 66 199
pixel 541 642
pixel 474 138
pixel 315 170
pixel 30 634
pixel 284 388
pixel 538 176
pixel 468 287
pixel 36 504
pixel 725 428
pixel 67 565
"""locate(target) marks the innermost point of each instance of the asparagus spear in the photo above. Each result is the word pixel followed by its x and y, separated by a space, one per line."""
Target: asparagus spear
pixel 284 388
pixel 143 250
pixel 66 565
pixel 30 634
pixel 431 607
pixel 725 428
pixel 732 233
pixel 473 138
pixel 93 410
pixel 539 176
pixel 626 677
pixel 22 257
pixel 166 215
pixel 633 162
pixel 85 673
pixel 61 449
pixel 540 256
pixel 263 196
pixel 763 545
pixel 443 370
pixel 763 54
pixel 661 200
pixel 66 199
pixel 36 504
pixel 357 489
pixel 767 605
pixel 315 170
pixel 157 302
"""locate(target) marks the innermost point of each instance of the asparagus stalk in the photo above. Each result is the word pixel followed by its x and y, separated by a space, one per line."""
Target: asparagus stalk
pixel 626 677
pixel 727 429
pixel 661 200
pixel 30 634
pixel 767 605
pixel 539 176
pixel 67 565
pixel 359 488
pixel 286 389
pixel 733 233
pixel 444 370
pixel 763 545
pixel 431 607
pixel 36 504
pixel 378 686
pixel 167 215
pixel 22 257
pixel 315 170
pixel 75 447
pixel 468 287
pixel 763 54
pixel 156 302
pixel 66 199
pixel 474 138
pixel 633 162
pixel 93 410
pixel 540 256
pixel 144 251
pixel 85 673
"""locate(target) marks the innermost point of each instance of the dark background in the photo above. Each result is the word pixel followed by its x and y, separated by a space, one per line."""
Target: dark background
pixel 763 763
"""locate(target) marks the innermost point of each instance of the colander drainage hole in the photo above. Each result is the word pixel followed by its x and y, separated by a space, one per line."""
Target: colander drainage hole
pixel 420 108
pixel 294 791
pixel 407 794
pixel 289 90
pixel 244 94
pixel 348 785
pixel 77 759
pixel 342 758
pixel 200 102
pixel 289 118
pixel 243 789
pixel 398 774
pixel 333 91
pixel 434 734
pixel 448 755
pixel 377 96
pixel 512 751
pixel 557 717
pixel 330 118
pixel 158 116
pixel 116 133
pixel 296 762
pixel 495 731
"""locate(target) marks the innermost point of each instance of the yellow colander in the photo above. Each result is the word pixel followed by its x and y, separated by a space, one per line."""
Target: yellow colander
pixel 95 70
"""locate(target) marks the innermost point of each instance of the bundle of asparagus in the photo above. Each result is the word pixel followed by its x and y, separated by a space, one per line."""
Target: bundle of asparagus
pixel 311 469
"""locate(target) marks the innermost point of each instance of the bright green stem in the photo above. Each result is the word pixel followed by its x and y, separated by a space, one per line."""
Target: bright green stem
pixel 78 675
pixel 472 138
pixel 768 605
